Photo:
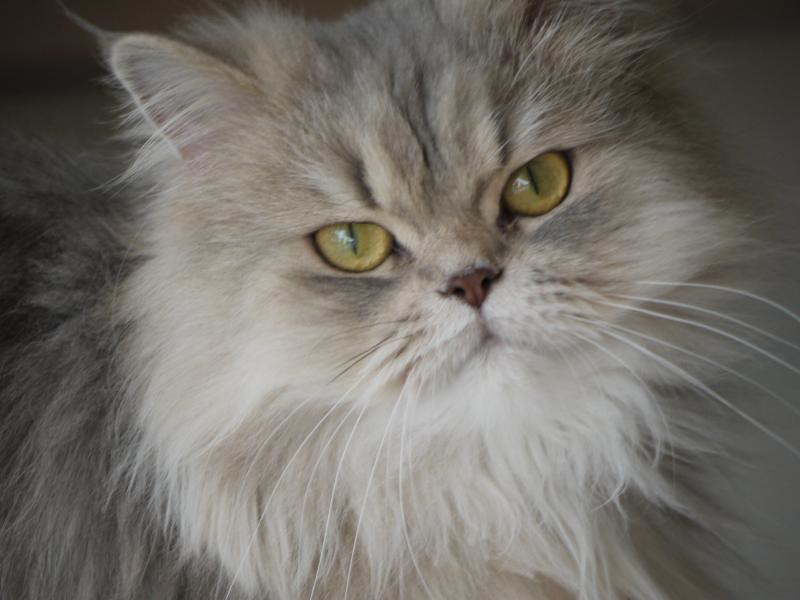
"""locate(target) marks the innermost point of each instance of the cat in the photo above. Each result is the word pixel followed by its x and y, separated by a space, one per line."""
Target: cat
pixel 396 306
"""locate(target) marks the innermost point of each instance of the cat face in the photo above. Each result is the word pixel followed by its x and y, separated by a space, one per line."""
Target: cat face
pixel 414 126
pixel 439 205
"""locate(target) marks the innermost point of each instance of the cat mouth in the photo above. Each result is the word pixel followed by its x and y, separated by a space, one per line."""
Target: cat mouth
pixel 487 336
pixel 475 342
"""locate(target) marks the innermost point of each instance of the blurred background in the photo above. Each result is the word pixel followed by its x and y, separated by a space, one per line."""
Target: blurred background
pixel 50 70
pixel 742 68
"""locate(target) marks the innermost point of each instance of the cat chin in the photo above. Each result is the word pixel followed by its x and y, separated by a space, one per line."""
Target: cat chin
pixel 505 453
pixel 480 344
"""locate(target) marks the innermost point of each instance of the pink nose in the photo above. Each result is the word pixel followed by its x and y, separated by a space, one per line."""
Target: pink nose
pixel 473 286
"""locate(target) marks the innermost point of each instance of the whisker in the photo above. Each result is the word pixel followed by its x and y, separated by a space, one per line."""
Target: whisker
pixel 366 354
pixel 702 387
pixel 414 404
pixel 350 330
pixel 647 389
pixel 378 324
pixel 714 313
pixel 333 495
pixel 317 463
pixel 705 327
pixel 722 288
pixel 278 427
pixel 373 469
pixel 294 456
pixel 595 371
pixel 709 361
pixel 336 479
pixel 368 350
pixel 403 523
pixel 348 333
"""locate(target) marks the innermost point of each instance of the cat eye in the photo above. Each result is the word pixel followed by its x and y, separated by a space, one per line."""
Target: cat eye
pixel 539 186
pixel 354 247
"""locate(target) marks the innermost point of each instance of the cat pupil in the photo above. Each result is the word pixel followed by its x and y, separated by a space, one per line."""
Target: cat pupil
pixel 532 179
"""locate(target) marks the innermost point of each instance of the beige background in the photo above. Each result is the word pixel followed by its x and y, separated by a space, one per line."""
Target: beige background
pixel 744 73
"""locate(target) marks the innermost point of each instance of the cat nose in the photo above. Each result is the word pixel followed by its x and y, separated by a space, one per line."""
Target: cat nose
pixel 473 286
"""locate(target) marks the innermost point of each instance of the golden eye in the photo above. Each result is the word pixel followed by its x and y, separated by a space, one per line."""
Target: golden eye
pixel 354 247
pixel 538 187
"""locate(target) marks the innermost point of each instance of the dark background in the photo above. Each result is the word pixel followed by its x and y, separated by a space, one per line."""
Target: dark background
pixel 38 47
pixel 741 66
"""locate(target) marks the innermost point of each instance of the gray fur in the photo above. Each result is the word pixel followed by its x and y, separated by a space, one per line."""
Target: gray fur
pixel 70 526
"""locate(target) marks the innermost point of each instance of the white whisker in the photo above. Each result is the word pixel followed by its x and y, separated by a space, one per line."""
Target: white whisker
pixel 259 450
pixel 646 387
pixel 412 488
pixel 722 288
pixel 705 327
pixel 368 487
pixel 714 313
pixel 285 470
pixel 322 453
pixel 711 362
pixel 702 387
pixel 402 506
pixel 362 356
pixel 333 495
pixel 620 487
pixel 312 474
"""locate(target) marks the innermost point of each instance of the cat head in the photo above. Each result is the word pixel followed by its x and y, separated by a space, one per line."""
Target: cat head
pixel 451 203
pixel 402 129
pixel 415 200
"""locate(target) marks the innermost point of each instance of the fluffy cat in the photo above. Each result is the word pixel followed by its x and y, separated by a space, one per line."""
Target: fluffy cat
pixel 201 397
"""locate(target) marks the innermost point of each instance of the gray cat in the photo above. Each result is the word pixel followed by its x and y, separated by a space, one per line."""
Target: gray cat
pixel 422 303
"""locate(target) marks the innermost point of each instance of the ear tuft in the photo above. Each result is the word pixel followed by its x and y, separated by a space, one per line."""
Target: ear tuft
pixel 185 95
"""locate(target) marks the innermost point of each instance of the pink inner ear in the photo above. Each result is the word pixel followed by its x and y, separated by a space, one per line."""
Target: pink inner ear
pixel 192 129
pixel 185 94
pixel 190 117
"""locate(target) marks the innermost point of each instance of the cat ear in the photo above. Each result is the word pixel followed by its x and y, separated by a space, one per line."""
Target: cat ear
pixel 185 95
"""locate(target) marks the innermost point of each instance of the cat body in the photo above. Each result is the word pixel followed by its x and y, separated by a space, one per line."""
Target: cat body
pixel 196 405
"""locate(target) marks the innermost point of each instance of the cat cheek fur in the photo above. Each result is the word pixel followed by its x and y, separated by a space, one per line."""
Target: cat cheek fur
pixel 316 432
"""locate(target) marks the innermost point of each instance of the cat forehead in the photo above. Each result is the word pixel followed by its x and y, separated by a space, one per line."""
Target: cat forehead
pixel 412 78
pixel 416 138
pixel 400 128
pixel 422 131
pixel 411 101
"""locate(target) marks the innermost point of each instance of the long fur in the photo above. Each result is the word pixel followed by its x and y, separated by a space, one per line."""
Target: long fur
pixel 195 406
